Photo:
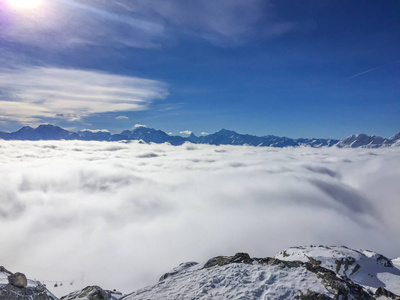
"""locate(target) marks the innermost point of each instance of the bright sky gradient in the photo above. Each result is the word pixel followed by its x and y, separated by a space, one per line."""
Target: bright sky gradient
pixel 314 68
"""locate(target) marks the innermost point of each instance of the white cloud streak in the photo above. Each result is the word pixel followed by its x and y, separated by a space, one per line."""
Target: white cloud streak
pixel 373 69
pixel 120 214
pixel 95 130
pixel 186 132
pixel 224 23
pixel 30 94
pixel 142 24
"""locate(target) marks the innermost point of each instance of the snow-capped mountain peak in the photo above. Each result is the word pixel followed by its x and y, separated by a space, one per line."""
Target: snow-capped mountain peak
pixel 222 137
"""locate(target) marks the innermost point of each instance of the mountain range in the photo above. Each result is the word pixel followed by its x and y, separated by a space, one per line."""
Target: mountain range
pixel 311 272
pixel 222 137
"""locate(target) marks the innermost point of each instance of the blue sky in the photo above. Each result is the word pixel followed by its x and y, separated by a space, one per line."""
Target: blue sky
pixel 289 68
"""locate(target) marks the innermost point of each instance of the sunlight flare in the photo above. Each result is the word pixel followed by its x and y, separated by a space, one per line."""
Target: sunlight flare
pixel 24 4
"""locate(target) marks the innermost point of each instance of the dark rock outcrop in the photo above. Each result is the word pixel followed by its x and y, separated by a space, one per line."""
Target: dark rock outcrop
pixel 341 287
pixel 381 291
pixel 18 280
pixel 18 288
pixel 178 270
pixel 90 293
pixel 11 292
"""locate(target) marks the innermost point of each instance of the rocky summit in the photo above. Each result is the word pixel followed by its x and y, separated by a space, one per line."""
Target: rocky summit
pixel 15 286
pixel 312 272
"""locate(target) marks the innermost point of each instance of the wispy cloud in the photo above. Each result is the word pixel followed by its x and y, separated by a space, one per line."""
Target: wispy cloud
pixel 142 24
pixel 31 94
pixel 95 130
pixel 223 23
pixel 58 24
pixel 373 69
pixel 122 118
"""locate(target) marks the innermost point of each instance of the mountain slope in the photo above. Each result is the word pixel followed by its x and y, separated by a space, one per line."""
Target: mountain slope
pixel 42 132
pixel 362 267
pixel 94 135
pixel 365 141
pixel 229 137
pixel 150 135
pixel 243 277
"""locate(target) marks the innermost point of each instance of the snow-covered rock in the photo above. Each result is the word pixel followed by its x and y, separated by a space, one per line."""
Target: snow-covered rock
pixel 15 286
pixel 366 141
pixel 243 277
pixel 92 293
pixel 313 272
pixel 18 280
pixel 363 267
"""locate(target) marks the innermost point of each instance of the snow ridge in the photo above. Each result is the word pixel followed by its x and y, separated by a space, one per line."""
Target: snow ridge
pixel 364 267
pixel 312 272
pixel 295 273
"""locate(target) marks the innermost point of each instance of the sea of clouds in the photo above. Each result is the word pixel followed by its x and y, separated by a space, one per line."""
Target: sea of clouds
pixel 120 214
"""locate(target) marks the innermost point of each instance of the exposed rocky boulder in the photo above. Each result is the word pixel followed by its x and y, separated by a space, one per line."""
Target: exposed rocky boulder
pixel 224 260
pixel 18 280
pixel 178 269
pixel 20 288
pixel 92 293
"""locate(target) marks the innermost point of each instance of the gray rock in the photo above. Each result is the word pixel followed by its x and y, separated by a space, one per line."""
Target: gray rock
pixel 18 280
pixel 381 291
pixel 178 270
pixel 90 293
pixel 11 292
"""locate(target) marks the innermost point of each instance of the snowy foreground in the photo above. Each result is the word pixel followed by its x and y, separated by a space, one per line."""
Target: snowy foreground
pixel 357 275
pixel 314 272
pixel 120 214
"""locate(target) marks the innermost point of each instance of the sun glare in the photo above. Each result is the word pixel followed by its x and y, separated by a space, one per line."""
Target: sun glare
pixel 24 4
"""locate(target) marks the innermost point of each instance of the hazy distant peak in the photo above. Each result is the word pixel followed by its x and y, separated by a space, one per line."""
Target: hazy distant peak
pixel 221 137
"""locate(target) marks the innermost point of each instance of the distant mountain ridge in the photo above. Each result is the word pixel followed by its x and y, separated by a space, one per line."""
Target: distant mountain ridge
pixel 366 141
pixel 222 137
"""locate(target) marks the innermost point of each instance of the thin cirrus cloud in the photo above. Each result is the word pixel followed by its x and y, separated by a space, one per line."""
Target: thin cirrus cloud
pixel 58 25
pixel 142 24
pixel 120 214
pixel 224 23
pixel 32 94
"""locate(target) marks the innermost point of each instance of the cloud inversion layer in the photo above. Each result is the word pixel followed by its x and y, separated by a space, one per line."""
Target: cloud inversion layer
pixel 121 214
